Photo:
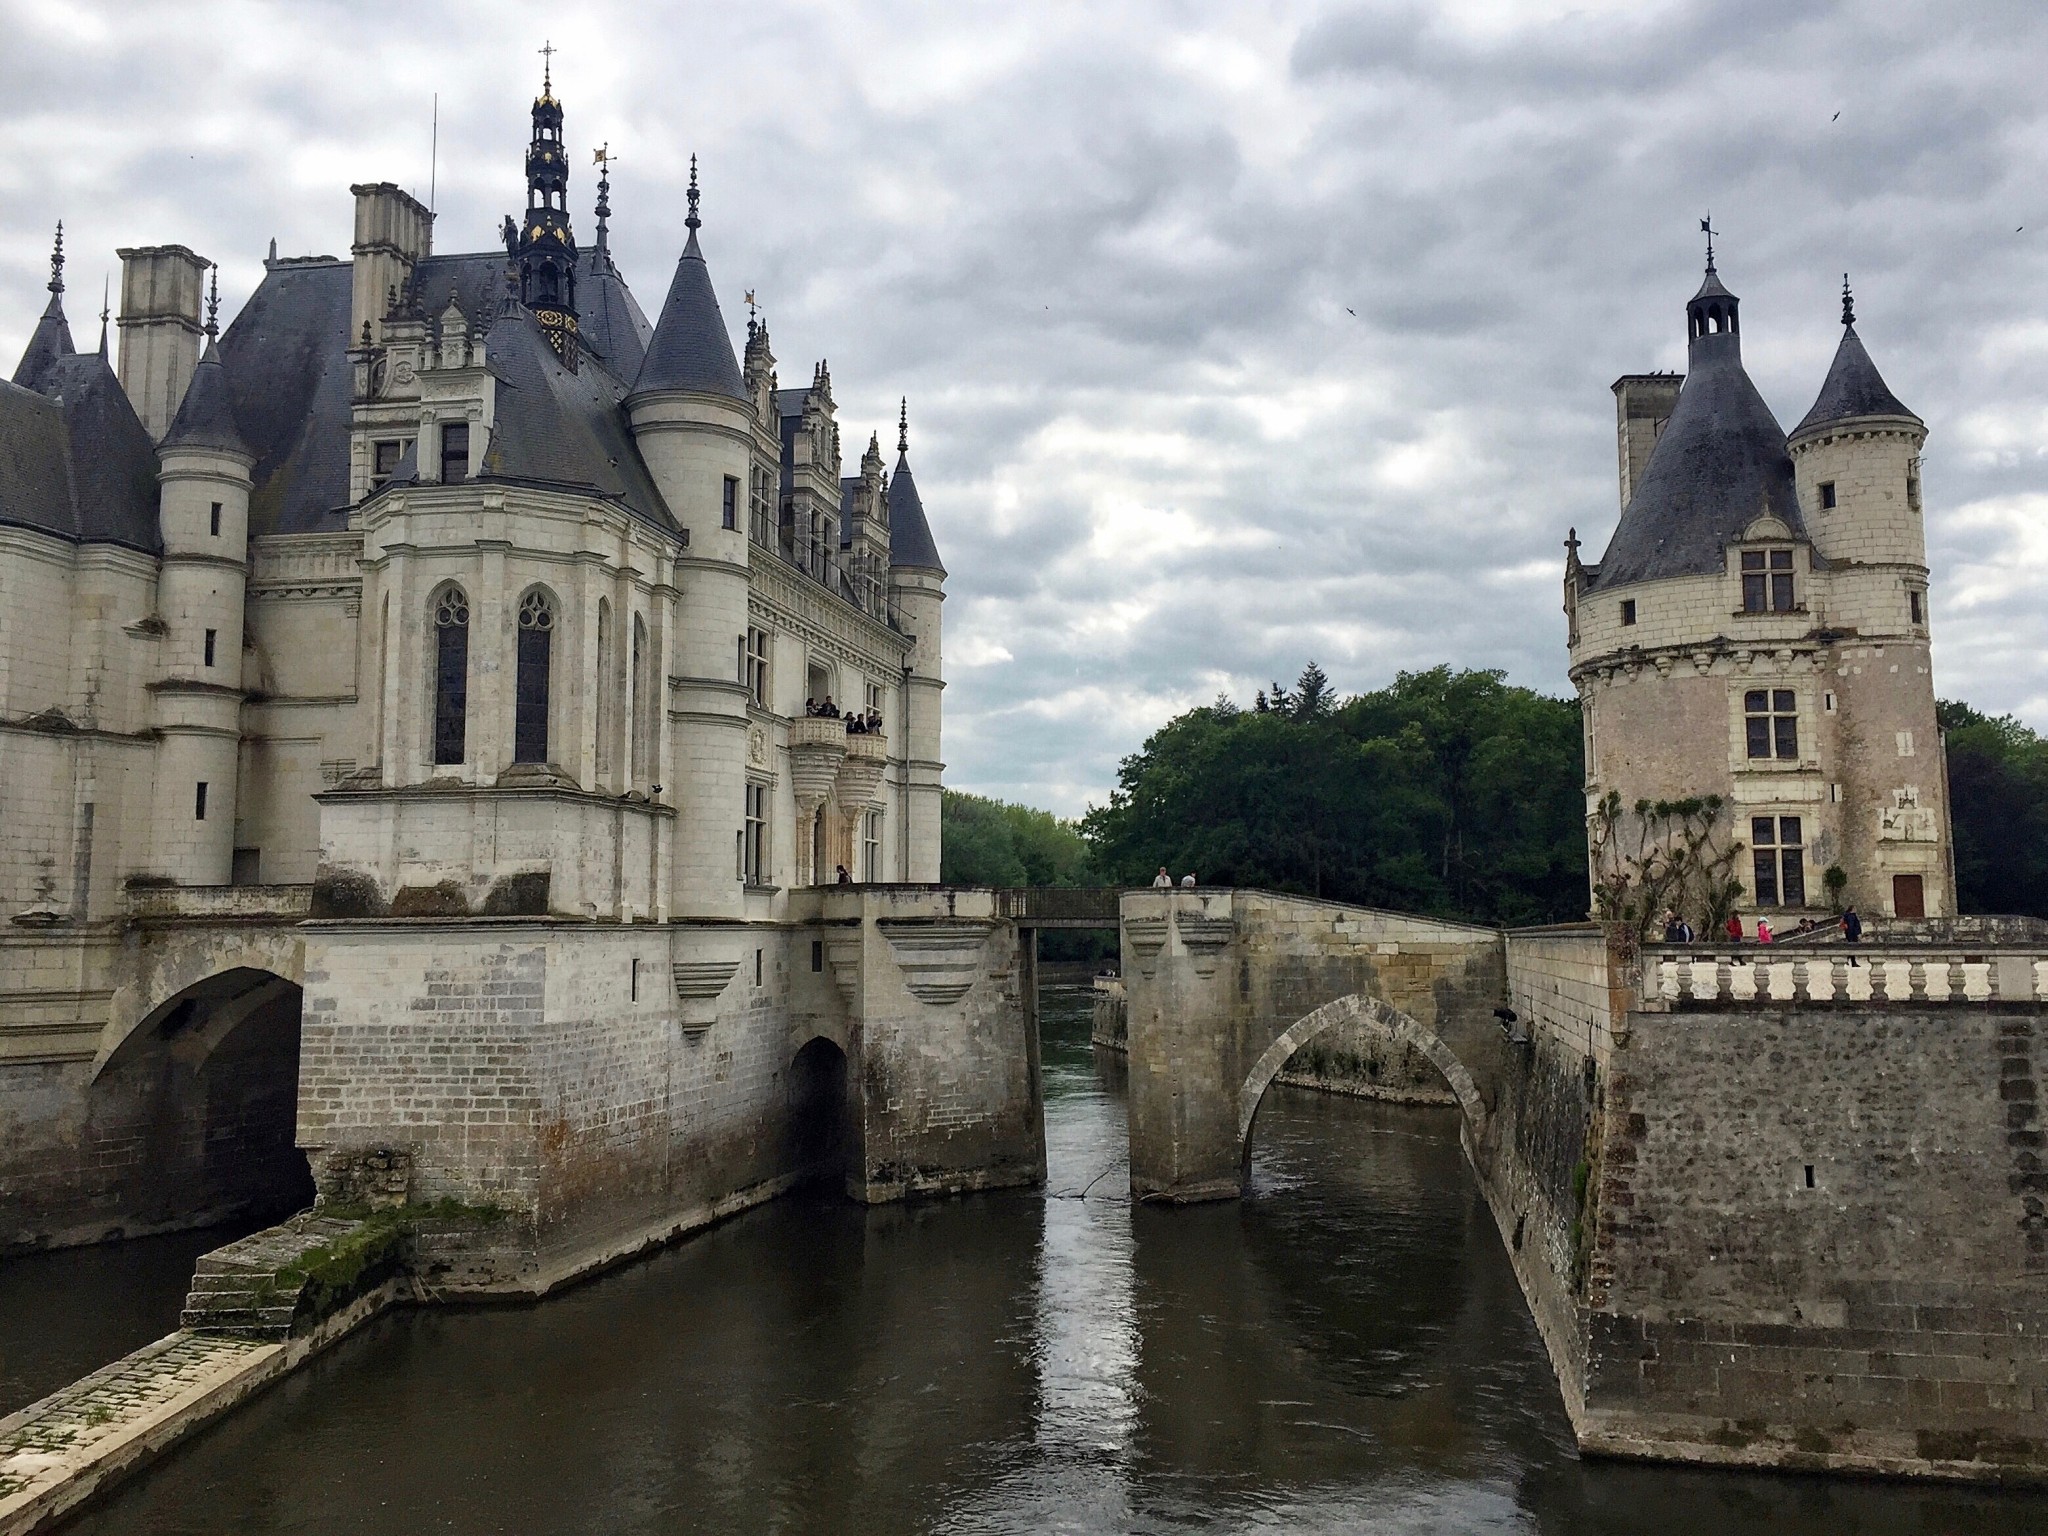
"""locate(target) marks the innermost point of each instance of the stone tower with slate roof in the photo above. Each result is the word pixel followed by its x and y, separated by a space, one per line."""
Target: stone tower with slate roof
pixel 439 638
pixel 1758 629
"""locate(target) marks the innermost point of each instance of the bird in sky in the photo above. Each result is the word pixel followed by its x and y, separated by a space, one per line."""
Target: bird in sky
pixel 1836 118
pixel 1350 311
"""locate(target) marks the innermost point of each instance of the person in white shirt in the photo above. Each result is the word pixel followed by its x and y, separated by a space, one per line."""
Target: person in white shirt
pixel 1163 878
pixel 1187 882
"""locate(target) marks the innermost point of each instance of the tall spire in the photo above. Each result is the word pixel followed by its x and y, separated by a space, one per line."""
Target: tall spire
pixel 106 309
pixel 51 338
pixel 1848 302
pixel 603 158
pixel 691 222
pixel 543 247
pixel 903 426
pixel 212 305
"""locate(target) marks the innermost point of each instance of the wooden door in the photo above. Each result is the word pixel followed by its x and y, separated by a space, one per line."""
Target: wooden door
pixel 1907 897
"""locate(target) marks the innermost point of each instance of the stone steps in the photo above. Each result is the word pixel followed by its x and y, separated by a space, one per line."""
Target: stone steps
pixel 235 1289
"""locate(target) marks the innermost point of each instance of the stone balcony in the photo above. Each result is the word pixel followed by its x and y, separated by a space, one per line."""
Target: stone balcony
pixel 1675 978
pixel 219 903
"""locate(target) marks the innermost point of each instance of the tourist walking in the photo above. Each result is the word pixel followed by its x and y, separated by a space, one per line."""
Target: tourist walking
pixel 1734 929
pixel 1763 929
pixel 1674 930
pixel 1852 929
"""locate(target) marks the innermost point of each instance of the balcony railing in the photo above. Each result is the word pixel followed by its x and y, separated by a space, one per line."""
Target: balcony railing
pixel 1682 978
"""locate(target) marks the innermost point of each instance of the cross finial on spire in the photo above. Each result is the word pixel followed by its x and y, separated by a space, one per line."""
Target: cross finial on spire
pixel 603 158
pixel 547 52
pixel 1707 228
pixel 57 261
pixel 693 222
pixel 1848 302
pixel 903 426
pixel 213 303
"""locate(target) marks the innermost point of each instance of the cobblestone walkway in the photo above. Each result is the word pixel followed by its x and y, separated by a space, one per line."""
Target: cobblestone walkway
pixel 119 1412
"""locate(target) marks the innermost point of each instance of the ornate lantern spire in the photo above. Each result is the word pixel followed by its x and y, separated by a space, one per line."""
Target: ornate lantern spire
pixel 544 248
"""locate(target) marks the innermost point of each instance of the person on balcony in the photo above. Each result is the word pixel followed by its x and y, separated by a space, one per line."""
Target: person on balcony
pixel 1162 879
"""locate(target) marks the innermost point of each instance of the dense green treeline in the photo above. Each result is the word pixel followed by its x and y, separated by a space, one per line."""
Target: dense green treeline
pixel 1446 792
pixel 1998 800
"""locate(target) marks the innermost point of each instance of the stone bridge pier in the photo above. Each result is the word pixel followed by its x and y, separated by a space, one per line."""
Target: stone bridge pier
pixel 1226 985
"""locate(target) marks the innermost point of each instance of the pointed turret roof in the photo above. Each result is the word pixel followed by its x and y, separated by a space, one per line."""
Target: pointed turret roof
pixel 690 348
pixel 1853 386
pixel 52 336
pixel 1720 463
pixel 910 536
pixel 206 416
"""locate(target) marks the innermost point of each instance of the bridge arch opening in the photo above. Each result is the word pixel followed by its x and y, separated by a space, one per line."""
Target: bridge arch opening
pixel 193 1117
pixel 820 1139
pixel 1357 1018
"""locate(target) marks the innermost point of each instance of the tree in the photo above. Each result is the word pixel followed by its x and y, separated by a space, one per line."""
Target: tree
pixel 1447 792
pixel 992 842
pixel 1998 803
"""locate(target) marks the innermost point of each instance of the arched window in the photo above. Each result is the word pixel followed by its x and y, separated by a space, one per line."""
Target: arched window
pixel 530 692
pixel 607 691
pixel 451 674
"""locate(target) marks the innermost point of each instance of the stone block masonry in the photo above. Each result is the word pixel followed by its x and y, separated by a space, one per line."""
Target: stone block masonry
pixel 1803 1224
pixel 610 1086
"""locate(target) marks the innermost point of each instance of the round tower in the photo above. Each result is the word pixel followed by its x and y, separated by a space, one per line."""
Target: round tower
pixel 693 421
pixel 204 485
pixel 1857 455
pixel 1857 458
pixel 917 588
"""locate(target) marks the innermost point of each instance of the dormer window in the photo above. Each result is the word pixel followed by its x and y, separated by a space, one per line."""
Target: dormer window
pixel 1767 581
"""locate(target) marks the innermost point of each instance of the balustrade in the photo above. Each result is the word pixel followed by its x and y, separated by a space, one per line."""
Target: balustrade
pixel 1674 978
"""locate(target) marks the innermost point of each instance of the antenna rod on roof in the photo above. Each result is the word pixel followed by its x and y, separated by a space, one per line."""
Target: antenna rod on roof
pixel 434 155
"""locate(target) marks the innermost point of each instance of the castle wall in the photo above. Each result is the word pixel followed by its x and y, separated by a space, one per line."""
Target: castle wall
pixel 527 1065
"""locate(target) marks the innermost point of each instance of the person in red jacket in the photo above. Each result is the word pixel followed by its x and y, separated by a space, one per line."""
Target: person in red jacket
pixel 1734 928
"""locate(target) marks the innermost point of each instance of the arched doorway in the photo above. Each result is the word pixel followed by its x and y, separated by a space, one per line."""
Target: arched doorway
pixel 193 1117
pixel 820 1143
pixel 1369 1020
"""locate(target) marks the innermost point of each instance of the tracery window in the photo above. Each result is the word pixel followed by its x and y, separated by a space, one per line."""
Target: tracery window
pixel 451 674
pixel 1771 722
pixel 1767 581
pixel 754 836
pixel 530 692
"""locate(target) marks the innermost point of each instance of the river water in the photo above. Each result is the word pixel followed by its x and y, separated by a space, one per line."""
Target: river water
pixel 1343 1351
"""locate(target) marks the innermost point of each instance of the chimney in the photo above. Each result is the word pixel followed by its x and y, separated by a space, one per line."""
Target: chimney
pixel 160 336
pixel 1642 404
pixel 394 232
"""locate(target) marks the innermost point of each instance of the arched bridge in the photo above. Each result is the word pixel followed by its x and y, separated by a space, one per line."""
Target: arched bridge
pixel 1226 985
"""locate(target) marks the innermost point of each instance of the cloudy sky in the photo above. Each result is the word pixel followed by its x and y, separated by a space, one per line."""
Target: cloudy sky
pixel 1234 334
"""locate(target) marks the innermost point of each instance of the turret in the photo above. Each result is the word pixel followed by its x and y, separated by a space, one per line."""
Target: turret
pixel 917 588
pixel 52 336
pixel 205 480
pixel 693 421
pixel 1857 454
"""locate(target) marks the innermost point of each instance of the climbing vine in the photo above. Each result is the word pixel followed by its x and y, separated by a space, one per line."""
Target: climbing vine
pixel 1663 854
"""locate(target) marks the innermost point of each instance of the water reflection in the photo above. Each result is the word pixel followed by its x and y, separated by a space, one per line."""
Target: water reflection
pixel 1345 1351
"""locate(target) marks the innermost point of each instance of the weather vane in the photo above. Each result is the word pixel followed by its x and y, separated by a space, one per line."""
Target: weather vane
pixel 603 156
pixel 1707 228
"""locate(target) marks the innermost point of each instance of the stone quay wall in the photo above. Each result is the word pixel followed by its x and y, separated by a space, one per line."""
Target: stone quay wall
pixel 1804 1222
pixel 612 1086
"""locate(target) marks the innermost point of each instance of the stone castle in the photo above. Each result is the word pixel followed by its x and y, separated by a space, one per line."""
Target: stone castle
pixel 1758 628
pixel 411 738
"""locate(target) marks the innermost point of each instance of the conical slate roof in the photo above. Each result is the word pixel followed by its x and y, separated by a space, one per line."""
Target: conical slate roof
pixel 206 416
pixel 910 536
pixel 75 461
pixel 1853 388
pixel 1720 463
pixel 50 341
pixel 690 348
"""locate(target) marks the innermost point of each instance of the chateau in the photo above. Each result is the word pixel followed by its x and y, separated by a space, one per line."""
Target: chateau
pixel 1758 627
pixel 442 635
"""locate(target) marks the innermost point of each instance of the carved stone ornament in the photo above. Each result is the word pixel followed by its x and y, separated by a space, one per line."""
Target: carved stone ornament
pixel 757 747
pixel 698 985
pixel 842 957
pixel 939 961
pixel 1204 938
pixel 1146 936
